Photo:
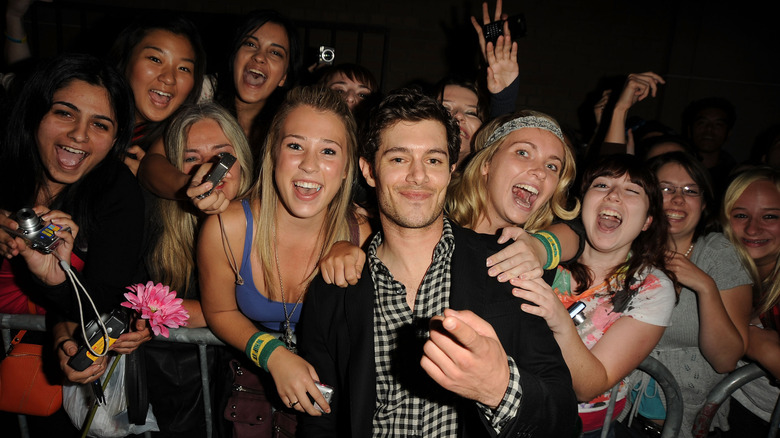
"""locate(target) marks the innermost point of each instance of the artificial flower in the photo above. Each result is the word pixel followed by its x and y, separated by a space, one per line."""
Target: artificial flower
pixel 159 305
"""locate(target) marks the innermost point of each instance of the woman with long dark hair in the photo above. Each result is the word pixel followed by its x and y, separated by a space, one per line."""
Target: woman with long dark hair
pixel 620 277
pixel 62 154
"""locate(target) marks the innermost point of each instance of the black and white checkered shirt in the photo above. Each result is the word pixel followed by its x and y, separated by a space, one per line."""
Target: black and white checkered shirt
pixel 409 402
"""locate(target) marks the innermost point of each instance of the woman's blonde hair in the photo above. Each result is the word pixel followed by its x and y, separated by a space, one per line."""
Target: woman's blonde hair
pixel 766 292
pixel 466 203
pixel 264 192
pixel 172 261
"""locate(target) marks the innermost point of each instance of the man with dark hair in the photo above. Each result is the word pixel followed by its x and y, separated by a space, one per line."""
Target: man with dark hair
pixel 707 123
pixel 403 361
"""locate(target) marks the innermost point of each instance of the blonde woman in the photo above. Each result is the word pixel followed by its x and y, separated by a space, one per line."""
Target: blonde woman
pixel 751 220
pixel 257 258
pixel 194 141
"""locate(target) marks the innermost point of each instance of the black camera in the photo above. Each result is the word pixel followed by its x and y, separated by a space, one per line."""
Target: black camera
pixel 117 322
pixel 517 28
pixel 35 232
pixel 327 54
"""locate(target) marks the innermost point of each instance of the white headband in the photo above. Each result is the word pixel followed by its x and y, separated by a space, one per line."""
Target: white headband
pixel 525 122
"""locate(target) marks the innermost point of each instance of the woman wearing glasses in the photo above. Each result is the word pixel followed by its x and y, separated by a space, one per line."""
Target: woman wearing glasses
pixel 709 326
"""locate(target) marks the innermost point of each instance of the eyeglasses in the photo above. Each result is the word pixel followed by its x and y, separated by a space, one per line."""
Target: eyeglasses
pixel 691 191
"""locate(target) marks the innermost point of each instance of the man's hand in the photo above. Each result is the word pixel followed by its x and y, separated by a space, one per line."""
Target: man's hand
pixel 464 356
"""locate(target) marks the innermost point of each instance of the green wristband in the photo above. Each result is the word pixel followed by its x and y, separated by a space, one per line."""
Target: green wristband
pixel 260 347
pixel 553 247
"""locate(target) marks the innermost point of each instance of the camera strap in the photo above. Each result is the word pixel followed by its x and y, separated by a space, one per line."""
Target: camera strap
pixel 77 286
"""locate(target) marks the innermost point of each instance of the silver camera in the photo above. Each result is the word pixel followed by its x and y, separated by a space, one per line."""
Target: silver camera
pixel 327 54
pixel 35 232
pixel 575 312
pixel 327 392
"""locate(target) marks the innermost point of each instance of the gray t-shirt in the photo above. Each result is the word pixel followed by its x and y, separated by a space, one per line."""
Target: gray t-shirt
pixel 678 349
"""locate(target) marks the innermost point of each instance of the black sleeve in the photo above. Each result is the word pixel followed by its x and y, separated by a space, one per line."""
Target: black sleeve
pixel 112 255
pixel 504 102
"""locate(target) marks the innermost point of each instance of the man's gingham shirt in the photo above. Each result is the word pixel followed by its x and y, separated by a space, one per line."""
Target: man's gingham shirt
pixel 399 412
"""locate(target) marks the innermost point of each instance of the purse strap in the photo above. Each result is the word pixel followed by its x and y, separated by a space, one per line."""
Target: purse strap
pixel 17 339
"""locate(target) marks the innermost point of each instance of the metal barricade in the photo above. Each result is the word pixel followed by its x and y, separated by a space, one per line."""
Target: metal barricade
pixel 723 390
pixel 674 401
pixel 199 336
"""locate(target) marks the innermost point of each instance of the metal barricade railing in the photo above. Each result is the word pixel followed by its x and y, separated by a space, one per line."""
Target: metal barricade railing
pixel 200 336
pixel 674 401
pixel 723 390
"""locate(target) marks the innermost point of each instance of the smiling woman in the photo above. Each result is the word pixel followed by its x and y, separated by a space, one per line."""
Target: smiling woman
pixel 298 208
pixel 163 60
pixel 61 154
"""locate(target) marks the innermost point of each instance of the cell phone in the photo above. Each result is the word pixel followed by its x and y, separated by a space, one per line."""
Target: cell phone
pixel 575 312
pixel 218 172
pixel 327 392
pixel 117 322
pixel 495 29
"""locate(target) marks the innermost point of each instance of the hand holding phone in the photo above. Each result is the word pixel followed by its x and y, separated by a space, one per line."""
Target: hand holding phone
pixel 493 30
pixel 218 172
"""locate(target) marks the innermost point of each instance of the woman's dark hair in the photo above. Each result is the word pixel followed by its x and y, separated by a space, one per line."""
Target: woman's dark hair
pixel 709 218
pixel 648 250
pixel 124 45
pixel 226 89
pixel 21 166
pixel 644 147
pixel 482 100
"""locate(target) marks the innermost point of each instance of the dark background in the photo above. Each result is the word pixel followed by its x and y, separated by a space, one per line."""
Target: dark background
pixel 715 48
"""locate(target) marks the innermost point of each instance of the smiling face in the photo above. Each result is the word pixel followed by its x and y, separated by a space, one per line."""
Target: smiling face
pixel 351 91
pixel 614 212
pixel 411 172
pixel 683 212
pixel 260 64
pixel 311 163
pixel 755 219
pixel 205 141
pixel 161 74
pixel 76 134
pixel 462 104
pixel 521 176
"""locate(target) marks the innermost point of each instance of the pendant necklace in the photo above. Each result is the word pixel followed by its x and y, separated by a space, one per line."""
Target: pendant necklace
pixel 287 333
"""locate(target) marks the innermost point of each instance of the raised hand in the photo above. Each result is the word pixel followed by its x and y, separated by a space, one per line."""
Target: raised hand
pixel 502 57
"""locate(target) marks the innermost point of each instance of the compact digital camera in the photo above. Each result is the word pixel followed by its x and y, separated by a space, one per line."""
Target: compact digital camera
pixel 38 235
pixel 117 322
pixel 327 392
pixel 327 54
